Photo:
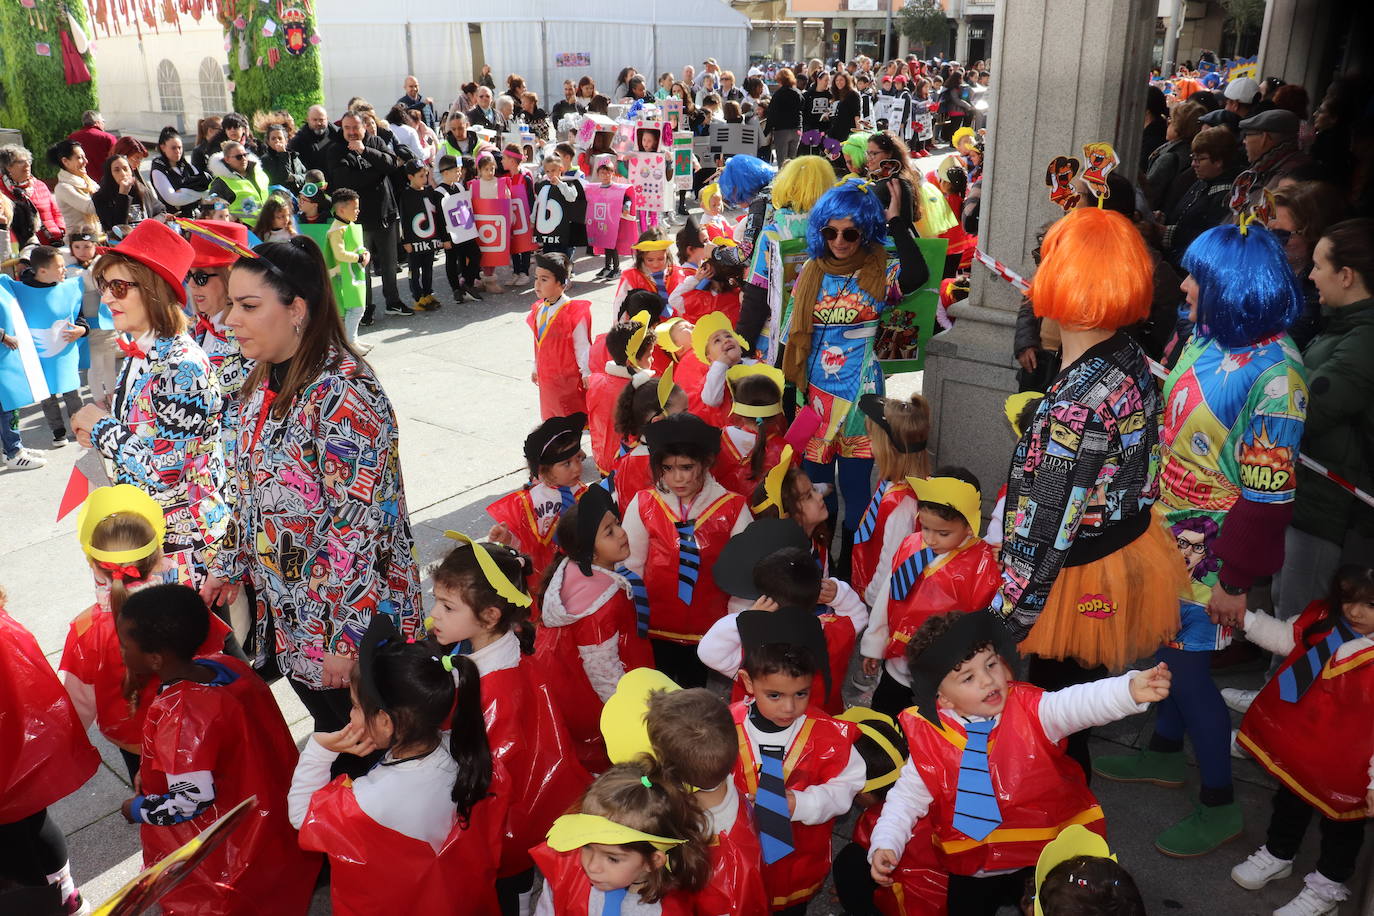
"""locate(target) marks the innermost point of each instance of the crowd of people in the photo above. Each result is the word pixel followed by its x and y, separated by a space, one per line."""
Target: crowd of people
pixel 765 523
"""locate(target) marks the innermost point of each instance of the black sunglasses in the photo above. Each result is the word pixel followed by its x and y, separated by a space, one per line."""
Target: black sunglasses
pixel 850 234
pixel 200 277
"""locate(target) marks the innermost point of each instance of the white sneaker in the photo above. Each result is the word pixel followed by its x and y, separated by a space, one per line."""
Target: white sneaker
pixel 521 279
pixel 1320 896
pixel 26 460
pixel 1238 700
pixel 1237 751
pixel 1261 868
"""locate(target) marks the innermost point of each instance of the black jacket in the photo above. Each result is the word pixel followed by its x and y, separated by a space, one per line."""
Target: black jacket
pixel 313 148
pixel 368 173
pixel 284 168
pixel 785 110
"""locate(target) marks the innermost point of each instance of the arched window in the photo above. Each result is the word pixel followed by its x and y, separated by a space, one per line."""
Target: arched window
pixel 169 87
pixel 213 98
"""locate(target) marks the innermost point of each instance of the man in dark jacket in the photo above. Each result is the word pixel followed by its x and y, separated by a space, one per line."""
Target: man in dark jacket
pixel 484 114
pixel 416 102
pixel 312 141
pixel 365 165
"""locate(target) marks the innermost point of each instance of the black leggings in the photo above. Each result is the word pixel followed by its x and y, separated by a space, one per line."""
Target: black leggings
pixel 970 896
pixel 508 891
pixel 32 849
pixel 891 696
pixel 1341 840
pixel 679 662
pixel 854 883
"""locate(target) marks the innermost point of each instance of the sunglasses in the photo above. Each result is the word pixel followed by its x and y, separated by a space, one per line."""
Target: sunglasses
pixel 200 277
pixel 116 288
pixel 850 234
pixel 239 156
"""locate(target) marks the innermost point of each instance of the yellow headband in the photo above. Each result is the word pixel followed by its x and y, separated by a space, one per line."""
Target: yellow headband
pixel 960 496
pixel 708 194
pixel 862 716
pixel 706 328
pixel 623 717
pixel 665 389
pixel 664 333
pixel 652 245
pixel 637 339
pixel 1074 840
pixel 495 578
pixel 736 373
pixel 105 502
pixel 573 831
pixel 1017 403
pixel 772 483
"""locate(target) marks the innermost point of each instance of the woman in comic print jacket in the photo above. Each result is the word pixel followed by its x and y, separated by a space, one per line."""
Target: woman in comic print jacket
pixel 321 526
pixel 162 433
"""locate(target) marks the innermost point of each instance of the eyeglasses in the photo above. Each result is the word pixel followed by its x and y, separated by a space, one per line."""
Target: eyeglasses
pixel 850 234
pixel 116 288
pixel 239 156
pixel 1188 546
pixel 1196 158
pixel 200 277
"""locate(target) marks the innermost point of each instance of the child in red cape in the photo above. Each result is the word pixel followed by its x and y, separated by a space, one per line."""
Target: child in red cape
pixel 481 610
pixel 120 529
pixel 213 737
pixel 715 287
pixel 636 842
pixel 717 349
pixel 429 816
pixel 653 270
pixel 637 406
pixel 44 757
pixel 988 832
pixel 898 431
pixel 562 330
pixel 943 567
pixel 630 346
pixel 753 440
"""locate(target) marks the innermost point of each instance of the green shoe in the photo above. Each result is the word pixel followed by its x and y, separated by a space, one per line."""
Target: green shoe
pixel 1163 768
pixel 1199 833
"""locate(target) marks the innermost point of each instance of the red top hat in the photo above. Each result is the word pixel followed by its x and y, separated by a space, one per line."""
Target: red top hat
pixel 156 246
pixel 209 254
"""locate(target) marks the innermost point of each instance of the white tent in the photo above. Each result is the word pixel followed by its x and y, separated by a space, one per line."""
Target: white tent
pixel 369 46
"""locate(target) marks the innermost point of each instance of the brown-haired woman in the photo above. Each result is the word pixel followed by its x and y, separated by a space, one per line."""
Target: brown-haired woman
pixel 321 526
pixel 162 432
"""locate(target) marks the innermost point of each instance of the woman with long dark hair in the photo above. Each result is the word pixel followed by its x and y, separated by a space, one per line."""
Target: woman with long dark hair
pixel 176 181
pixel 121 199
pixel 843 119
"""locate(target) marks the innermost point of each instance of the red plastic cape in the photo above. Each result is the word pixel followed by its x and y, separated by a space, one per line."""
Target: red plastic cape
pixel 516 512
pixel 736 885
pixel 1297 742
pixel 92 655
pixel 565 879
pixel 698 303
pixel 733 468
pixel 864 559
pixel 1040 789
pixel 236 731
pixel 669 618
pixel 632 474
pixel 964 579
pixel 44 754
pixel 555 361
pixel 920 884
pixel 532 744
pixel 602 392
pixel 818 754
pixel 374 869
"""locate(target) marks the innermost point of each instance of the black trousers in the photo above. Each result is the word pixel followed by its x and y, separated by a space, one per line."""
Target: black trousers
pixel 970 896
pixel 1340 839
pixel 680 663
pixel 508 891
pixel 330 709
pixel 854 883
pixel 32 849
pixel 463 264
pixel 891 696
pixel 381 245
pixel 1054 674
pixel 421 264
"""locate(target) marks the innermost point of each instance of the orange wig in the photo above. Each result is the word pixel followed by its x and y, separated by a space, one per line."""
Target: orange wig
pixel 1094 272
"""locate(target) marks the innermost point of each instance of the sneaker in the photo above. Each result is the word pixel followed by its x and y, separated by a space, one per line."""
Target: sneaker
pixel 26 460
pixel 1261 868
pixel 1319 896
pixel 1208 827
pixel 614 272
pixel 600 274
pixel 59 438
pixel 367 321
pixel 420 305
pixel 399 308
pixel 1238 700
pixel 521 279
pixel 1168 769
pixel 1238 752
pixel 473 293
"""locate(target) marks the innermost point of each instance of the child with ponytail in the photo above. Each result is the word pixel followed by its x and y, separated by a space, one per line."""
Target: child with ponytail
pixel 898 430
pixel 637 406
pixel 753 440
pixel 433 808
pixel 636 844
pixel 121 531
pixel 482 611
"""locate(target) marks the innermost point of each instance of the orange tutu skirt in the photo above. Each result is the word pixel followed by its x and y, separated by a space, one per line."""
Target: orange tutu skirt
pixel 1114 610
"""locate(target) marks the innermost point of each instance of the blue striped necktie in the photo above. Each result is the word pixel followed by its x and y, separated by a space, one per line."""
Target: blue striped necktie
pixel 1302 673
pixel 624 449
pixel 905 577
pixel 870 519
pixel 976 813
pixel 770 805
pixel 639 595
pixel 566 494
pixel 612 901
pixel 688 559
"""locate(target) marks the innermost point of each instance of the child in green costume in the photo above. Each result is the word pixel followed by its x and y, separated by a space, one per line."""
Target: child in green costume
pixel 347 260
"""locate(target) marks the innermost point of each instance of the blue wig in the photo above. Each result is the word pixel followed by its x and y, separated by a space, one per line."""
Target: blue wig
pixel 743 178
pixel 850 199
pixel 1246 290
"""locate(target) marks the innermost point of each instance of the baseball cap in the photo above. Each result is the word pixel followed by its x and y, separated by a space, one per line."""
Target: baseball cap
pixel 1273 121
pixel 1243 90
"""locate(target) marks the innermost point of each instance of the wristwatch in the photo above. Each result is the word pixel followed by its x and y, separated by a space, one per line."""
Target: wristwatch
pixel 1233 590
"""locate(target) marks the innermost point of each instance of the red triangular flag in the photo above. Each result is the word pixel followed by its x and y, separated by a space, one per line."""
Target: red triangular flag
pixel 78 488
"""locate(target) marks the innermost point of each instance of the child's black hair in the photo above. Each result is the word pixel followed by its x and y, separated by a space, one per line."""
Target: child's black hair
pixel 933 629
pixel 42 256
pixel 1090 886
pixel 688 237
pixel 1352 582
pixel 958 180
pixel 342 196
pixel 418 693
pixel 170 619
pixel 949 513
pixel 555 263
pixel 461 571
pixel 618 342
pixel 639 300
pixel 779 658
pixel 759 391
pixel 636 407
pixel 566 149
pixel 790 577
pixel 447 162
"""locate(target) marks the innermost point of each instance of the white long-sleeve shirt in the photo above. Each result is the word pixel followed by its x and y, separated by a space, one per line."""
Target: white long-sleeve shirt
pixel 1274 635
pixel 1062 712
pixel 413 797
pixel 874 640
pixel 814 804
pixel 720 648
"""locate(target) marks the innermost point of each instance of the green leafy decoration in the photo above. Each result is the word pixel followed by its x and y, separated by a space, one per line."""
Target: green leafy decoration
pixel 34 96
pixel 293 85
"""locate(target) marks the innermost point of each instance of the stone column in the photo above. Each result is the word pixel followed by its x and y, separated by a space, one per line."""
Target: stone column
pixel 903 45
pixel 1042 107
pixel 799 48
pixel 961 41
pixel 1292 41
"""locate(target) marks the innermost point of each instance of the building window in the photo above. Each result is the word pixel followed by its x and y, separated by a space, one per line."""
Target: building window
pixel 213 99
pixel 169 87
